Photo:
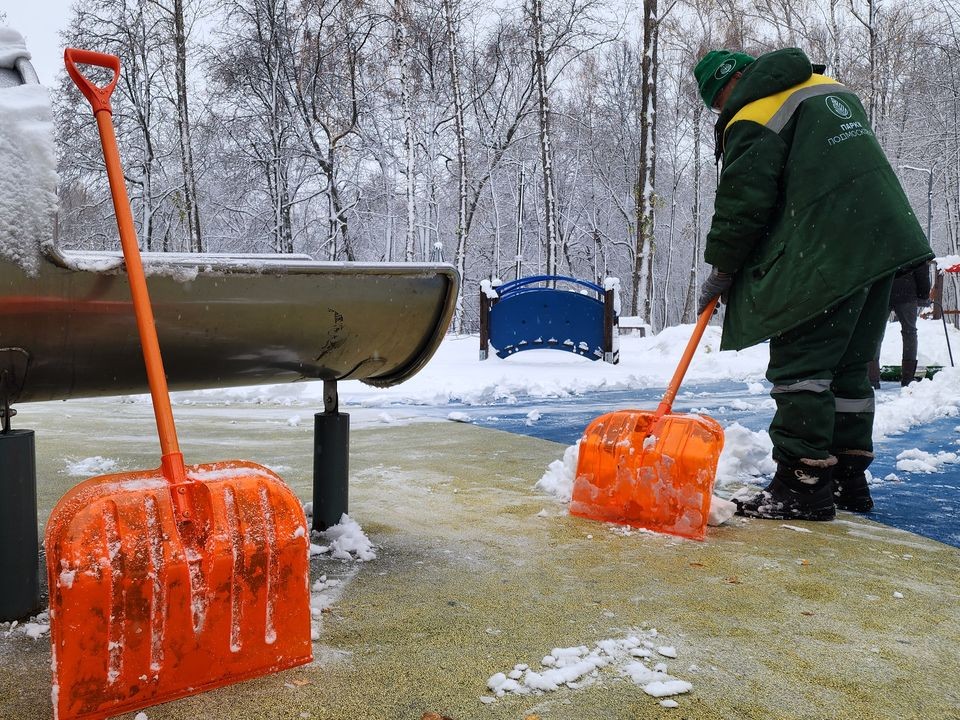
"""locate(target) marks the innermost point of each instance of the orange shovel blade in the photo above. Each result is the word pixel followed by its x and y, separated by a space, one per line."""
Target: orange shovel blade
pixel 655 473
pixel 142 613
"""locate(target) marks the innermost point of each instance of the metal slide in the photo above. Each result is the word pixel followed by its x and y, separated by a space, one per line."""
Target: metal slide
pixel 223 320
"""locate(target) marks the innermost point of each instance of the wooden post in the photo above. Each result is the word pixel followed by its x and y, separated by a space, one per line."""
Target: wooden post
pixel 938 296
pixel 609 322
pixel 484 324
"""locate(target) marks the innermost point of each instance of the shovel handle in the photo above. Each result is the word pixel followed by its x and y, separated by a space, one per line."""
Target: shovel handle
pixel 667 403
pixel 99 96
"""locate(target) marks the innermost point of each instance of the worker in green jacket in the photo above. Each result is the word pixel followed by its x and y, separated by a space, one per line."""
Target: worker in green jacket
pixel 810 224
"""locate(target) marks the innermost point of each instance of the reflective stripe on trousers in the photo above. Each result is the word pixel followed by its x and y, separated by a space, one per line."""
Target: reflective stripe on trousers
pixel 843 405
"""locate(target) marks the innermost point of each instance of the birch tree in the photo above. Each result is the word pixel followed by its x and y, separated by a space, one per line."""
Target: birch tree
pixel 325 88
pixel 540 60
pixel 127 30
pixel 250 70
pixel 642 299
pixel 174 14
pixel 453 50
pixel 402 24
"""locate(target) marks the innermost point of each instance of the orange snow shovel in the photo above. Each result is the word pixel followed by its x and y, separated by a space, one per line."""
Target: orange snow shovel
pixel 168 582
pixel 652 470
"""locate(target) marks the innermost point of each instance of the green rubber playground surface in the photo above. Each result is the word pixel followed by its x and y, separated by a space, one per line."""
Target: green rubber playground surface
pixel 477 572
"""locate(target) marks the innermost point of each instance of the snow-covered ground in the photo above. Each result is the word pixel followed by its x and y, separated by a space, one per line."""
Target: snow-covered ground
pixel 456 375
pixel 456 378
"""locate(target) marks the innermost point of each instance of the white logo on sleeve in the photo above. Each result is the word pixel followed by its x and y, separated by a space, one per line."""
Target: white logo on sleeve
pixel 725 69
pixel 838 107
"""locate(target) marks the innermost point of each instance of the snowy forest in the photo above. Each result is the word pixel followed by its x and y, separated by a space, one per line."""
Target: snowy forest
pixel 538 136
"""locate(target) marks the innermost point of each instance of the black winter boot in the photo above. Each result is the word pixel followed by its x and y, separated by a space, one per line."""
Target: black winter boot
pixel 797 492
pixel 850 489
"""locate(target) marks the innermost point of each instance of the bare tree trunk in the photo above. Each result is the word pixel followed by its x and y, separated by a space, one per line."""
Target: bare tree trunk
pixel 324 90
pixel 337 218
pixel 191 211
pixel 460 129
pixel 689 303
pixel 403 59
pixel 870 23
pixel 282 230
pixel 546 156
pixel 646 170
pixel 835 36
pixel 143 111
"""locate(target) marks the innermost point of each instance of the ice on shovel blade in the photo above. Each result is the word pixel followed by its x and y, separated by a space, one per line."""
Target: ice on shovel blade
pixel 655 473
pixel 142 613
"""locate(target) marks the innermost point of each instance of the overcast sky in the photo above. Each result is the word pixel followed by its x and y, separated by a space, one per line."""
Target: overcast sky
pixel 39 21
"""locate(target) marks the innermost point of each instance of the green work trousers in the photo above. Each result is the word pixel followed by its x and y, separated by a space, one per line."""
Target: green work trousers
pixel 824 399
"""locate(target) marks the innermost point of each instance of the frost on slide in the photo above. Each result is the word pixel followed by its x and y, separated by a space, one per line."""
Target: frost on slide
pixel 28 176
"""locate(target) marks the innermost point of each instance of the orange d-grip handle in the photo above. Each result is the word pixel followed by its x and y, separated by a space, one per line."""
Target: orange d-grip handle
pixel 99 97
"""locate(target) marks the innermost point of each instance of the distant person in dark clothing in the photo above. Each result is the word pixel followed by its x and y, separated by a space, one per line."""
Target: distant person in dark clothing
pixel 911 289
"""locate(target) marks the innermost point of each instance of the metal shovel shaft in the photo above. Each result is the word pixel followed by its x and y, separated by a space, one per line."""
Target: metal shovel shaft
pixel 139 294
pixel 666 405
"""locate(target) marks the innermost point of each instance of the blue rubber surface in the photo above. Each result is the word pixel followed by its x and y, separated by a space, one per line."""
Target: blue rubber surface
pixel 927 504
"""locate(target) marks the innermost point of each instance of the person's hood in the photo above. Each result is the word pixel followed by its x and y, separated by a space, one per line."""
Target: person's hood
pixel 771 73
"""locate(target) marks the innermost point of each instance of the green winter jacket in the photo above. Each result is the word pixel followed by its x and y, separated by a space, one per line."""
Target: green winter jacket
pixel 808 209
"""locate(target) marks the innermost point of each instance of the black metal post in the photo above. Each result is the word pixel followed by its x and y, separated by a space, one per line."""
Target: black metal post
pixel 946 334
pixel 19 545
pixel 331 451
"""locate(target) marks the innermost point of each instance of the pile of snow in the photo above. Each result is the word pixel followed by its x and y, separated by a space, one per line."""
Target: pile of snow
pixel 34 628
pixel 560 474
pixel 344 541
pixel 579 666
pixel 324 594
pixel 455 375
pixel 918 461
pixel 91 466
pixel 946 262
pixel 12 48
pixel 746 454
pixel 28 181
pixel 918 404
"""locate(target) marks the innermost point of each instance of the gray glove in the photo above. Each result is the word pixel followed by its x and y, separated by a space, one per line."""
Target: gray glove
pixel 716 283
